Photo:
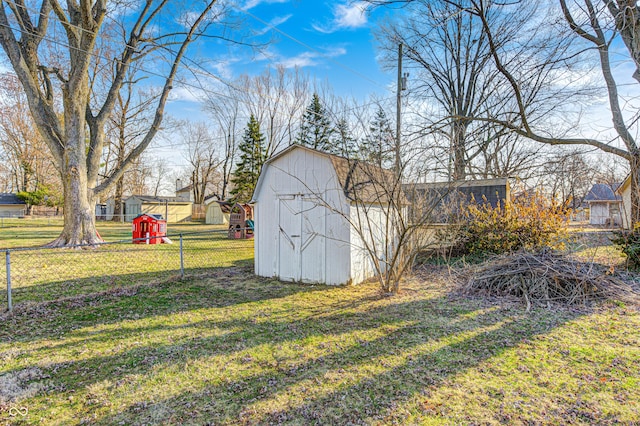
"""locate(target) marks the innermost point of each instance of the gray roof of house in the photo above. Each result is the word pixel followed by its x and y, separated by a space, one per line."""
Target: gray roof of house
pixel 7 198
pixel 603 192
pixel 160 200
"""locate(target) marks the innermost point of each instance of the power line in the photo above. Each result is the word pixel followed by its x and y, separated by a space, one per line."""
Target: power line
pixel 199 87
pixel 308 47
pixel 238 8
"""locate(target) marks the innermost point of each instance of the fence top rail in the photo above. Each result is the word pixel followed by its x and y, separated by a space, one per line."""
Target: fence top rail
pixel 124 241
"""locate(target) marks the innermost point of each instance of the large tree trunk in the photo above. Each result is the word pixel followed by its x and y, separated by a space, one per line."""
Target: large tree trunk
pixel 79 215
pixel 79 210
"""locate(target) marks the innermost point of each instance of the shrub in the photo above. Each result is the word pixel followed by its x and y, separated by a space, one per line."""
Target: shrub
pixel 529 222
pixel 629 243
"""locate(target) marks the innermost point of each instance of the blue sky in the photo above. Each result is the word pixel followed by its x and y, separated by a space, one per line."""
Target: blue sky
pixel 339 34
pixel 331 41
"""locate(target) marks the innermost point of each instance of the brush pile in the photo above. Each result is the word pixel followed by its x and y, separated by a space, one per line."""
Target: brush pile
pixel 547 277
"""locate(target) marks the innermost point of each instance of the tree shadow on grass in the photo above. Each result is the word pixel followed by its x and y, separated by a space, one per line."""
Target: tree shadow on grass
pixel 135 297
pixel 280 346
pixel 348 385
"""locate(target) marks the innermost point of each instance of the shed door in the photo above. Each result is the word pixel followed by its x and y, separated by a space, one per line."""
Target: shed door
pixel 290 222
pixel 301 241
pixel 312 245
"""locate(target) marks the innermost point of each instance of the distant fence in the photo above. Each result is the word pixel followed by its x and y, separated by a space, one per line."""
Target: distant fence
pixel 128 217
pixel 44 274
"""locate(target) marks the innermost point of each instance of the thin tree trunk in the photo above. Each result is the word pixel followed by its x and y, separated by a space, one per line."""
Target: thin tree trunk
pixel 634 165
pixel 117 199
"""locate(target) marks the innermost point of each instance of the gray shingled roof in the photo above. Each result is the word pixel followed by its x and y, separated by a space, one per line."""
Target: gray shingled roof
pixel 366 182
pixel 160 200
pixel 8 199
pixel 603 192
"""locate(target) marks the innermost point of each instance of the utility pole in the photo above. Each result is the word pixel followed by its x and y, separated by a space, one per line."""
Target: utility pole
pixel 402 85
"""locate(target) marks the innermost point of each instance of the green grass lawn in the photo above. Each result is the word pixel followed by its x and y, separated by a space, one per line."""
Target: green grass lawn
pixel 41 274
pixel 225 347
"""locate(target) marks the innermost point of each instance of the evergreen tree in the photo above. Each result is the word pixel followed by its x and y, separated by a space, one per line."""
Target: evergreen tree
pixel 316 130
pixel 343 143
pixel 252 156
pixel 378 146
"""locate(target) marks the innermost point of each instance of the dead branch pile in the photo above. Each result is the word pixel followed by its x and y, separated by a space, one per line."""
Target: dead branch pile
pixel 547 277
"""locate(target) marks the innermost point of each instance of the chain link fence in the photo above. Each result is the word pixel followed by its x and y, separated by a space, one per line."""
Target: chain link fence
pixel 44 274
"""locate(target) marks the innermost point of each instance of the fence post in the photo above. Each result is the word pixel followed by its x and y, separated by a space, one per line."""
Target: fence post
pixel 8 262
pixel 181 258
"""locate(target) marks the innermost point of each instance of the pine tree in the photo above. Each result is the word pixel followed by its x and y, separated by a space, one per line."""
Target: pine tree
pixel 343 143
pixel 378 146
pixel 315 130
pixel 252 156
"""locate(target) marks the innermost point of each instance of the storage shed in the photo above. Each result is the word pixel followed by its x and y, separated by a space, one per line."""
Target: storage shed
pixel 310 211
pixel 605 204
pixel 217 212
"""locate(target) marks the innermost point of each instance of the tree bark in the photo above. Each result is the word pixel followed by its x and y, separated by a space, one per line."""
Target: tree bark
pixel 79 217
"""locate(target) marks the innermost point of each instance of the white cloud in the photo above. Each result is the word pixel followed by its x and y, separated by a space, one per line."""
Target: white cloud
pixel 305 59
pixel 350 15
pixel 278 20
pixel 250 4
pixel 309 59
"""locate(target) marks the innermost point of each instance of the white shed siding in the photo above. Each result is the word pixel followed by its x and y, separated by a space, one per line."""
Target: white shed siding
pixel 300 223
pixel 598 213
pixel 215 216
pixel 369 238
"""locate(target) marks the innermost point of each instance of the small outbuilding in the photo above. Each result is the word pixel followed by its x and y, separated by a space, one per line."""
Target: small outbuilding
pixel 605 204
pixel 316 214
pixel 12 206
pixel 216 211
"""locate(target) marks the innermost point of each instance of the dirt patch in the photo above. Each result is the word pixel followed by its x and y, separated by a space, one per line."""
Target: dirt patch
pixel 19 385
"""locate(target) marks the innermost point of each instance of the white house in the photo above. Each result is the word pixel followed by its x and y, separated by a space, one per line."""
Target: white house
pixel 604 205
pixel 316 214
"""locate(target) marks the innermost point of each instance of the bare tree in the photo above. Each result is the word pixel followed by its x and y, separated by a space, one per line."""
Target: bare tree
pixel 225 109
pixel 58 87
pixel 26 155
pixel 202 155
pixel 568 177
pixel 158 178
pixel 126 127
pixel 597 25
pixel 457 89
pixel 450 59
pixel 276 98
